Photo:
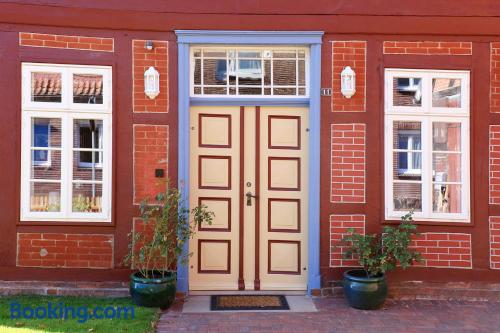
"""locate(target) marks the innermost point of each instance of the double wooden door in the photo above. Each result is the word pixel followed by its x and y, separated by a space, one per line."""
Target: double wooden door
pixel 249 165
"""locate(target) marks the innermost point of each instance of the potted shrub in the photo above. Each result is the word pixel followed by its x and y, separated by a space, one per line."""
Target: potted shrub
pixel 366 288
pixel 154 252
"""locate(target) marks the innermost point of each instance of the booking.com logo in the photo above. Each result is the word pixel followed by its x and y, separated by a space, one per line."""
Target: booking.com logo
pixel 63 311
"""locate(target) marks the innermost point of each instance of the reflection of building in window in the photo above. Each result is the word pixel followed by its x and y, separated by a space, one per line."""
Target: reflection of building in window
pixel 249 72
pixel 407 91
pixel 41 139
pixel 87 89
pixel 446 92
pixel 89 137
pixel 409 163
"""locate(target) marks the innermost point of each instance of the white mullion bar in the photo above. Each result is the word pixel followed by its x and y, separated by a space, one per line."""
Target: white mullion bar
pixel 44 180
pixel 227 73
pixel 427 184
pixel 67 160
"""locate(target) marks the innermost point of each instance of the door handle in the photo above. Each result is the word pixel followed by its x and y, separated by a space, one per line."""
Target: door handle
pixel 249 196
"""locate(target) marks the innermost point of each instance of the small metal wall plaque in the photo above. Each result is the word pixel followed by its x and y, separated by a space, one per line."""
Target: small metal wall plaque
pixel 326 91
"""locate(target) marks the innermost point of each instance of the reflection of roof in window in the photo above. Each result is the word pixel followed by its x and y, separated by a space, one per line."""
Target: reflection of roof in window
pixel 49 84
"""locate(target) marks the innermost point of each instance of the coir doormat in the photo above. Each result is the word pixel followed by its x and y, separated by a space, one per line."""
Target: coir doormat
pixel 248 302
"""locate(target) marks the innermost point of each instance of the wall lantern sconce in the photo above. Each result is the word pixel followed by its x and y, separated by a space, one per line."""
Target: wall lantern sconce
pixel 151 83
pixel 149 45
pixel 348 82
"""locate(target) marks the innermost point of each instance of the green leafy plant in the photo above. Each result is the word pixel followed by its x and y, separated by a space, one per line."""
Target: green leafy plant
pixel 380 253
pixel 167 226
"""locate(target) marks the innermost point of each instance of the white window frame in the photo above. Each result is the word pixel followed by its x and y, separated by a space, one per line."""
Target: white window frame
pixel 67 111
pixel 249 49
pixel 426 115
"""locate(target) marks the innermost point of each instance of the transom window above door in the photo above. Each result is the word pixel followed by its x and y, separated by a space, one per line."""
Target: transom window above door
pixel 427 144
pixel 258 71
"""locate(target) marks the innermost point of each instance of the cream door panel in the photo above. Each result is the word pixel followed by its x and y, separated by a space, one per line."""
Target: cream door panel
pixel 215 174
pixel 283 198
pixel 263 151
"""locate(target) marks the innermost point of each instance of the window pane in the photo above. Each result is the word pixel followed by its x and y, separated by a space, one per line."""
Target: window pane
pixel 446 198
pixel 50 168
pixel 407 91
pixel 446 93
pixel 446 167
pixel 407 135
pixel 249 72
pixel 284 91
pixel 302 72
pixel 285 54
pixel 407 196
pixel 197 71
pixel 214 90
pixel 407 166
pixel 45 163
pixel 249 54
pixel 214 72
pixel 446 136
pixel 88 153
pixel 45 197
pixel 250 91
pixel 46 87
pixel 267 72
pixel 214 53
pixel 284 72
pixel 87 89
pixel 87 198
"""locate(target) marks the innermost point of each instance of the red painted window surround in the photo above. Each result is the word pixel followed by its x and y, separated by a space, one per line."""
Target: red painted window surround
pixel 66 42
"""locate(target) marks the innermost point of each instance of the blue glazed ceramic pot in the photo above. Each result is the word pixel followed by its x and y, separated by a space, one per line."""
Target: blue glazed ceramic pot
pixel 158 291
pixel 362 292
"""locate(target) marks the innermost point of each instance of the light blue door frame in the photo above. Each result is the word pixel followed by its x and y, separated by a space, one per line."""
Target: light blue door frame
pixel 312 39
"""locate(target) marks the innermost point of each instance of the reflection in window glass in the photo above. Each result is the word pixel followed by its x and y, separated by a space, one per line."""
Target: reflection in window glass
pixel 87 89
pixel 408 150
pixel 446 93
pixel 87 198
pixel 46 87
pixel 407 91
pixel 249 72
pixel 45 196
pixel 87 140
pixel 407 196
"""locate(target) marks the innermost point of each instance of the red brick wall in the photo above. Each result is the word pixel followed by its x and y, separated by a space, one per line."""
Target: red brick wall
pixel 495 242
pixel 348 163
pixel 65 250
pixel 495 77
pixel 428 48
pixel 444 250
pixel 150 153
pixel 494 175
pixel 142 60
pixel 339 224
pixel 66 42
pixel 349 53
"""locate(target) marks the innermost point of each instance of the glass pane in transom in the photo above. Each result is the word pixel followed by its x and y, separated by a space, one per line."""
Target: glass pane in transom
pixel 46 87
pixel 87 88
pixel 446 93
pixel 407 91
